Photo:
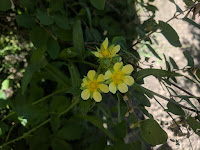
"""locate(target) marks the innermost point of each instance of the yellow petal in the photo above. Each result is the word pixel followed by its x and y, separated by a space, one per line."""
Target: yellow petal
pixel 85 82
pixel 108 74
pixel 97 96
pixel 112 88
pixel 123 88
pixel 115 50
pixel 105 43
pixel 91 74
pixel 104 88
pixel 117 66
pixel 85 94
pixel 127 69
pixel 128 80
pixel 100 78
pixel 110 47
pixel 97 54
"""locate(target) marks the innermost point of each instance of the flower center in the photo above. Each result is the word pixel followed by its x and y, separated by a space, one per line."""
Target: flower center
pixel 105 52
pixel 93 85
pixel 118 77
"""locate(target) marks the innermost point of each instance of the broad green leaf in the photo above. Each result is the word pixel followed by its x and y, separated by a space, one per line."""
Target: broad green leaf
pixel 61 21
pixel 53 48
pixel 189 58
pixel 3 128
pixel 170 34
pixel 92 35
pixel 78 40
pixel 173 63
pixel 155 72
pixel 122 108
pixel 98 123
pixel 55 123
pixel 59 103
pixel 120 130
pixel 194 124
pixel 5 5
pixel 56 5
pixel 120 40
pixel 5 84
pixel 37 62
pixel 59 144
pixel 98 4
pixel 191 22
pixel 39 37
pixel 3 95
pixel 74 74
pixel 177 110
pixel 141 98
pixel 188 2
pixel 67 53
pixel 152 133
pixel 141 89
pixel 85 106
pixel 25 20
pixel 153 51
pixel 64 35
pixel 44 17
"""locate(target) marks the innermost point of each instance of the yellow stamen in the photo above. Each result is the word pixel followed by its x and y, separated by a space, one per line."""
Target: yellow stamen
pixel 118 77
pixel 105 52
pixel 93 86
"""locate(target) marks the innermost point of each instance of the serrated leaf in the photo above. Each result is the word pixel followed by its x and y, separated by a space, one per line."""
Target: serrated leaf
pixel 189 58
pixel 122 108
pixel 170 34
pixel 141 98
pixel 194 124
pixel 78 40
pixel 99 4
pixel 177 110
pixel 53 48
pixel 152 133
pixel 173 63
pixel 44 17
pixel 153 51
pixel 25 20
pixel 5 5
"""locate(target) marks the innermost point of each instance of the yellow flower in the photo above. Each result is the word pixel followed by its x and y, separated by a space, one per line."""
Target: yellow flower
pixel 119 77
pixel 93 86
pixel 105 51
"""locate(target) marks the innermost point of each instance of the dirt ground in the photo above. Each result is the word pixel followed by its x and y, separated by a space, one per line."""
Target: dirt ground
pixel 189 37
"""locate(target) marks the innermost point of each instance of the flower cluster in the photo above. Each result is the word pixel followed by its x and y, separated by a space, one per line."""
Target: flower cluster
pixel 117 77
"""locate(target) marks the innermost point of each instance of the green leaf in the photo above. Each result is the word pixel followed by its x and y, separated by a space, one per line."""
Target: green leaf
pixel 85 106
pixel 155 72
pixel 78 40
pixel 25 20
pixel 5 5
pixel 59 144
pixel 37 62
pixel 55 123
pixel 194 124
pixel 72 130
pixel 98 4
pixel 3 128
pixel 61 21
pixel 153 51
pixel 56 5
pixel 67 53
pixel 75 75
pixel 191 22
pixel 44 17
pixel 177 110
pixel 120 40
pixel 170 34
pixel 5 84
pixel 198 73
pixel 3 95
pixel 39 37
pixel 59 104
pixel 141 98
pixel 64 35
pixel 144 111
pixel 152 133
pixel 189 58
pixel 53 48
pixel 188 2
pixel 173 63
pixel 122 107
pixel 120 130
pixel 98 123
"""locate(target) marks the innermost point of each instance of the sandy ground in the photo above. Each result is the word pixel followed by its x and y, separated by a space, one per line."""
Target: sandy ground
pixel 189 38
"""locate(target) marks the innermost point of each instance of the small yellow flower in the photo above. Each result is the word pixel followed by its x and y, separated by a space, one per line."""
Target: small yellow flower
pixel 105 51
pixel 93 86
pixel 119 77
